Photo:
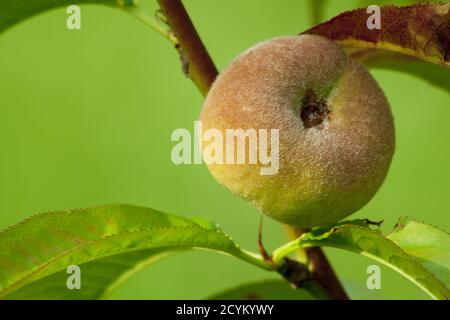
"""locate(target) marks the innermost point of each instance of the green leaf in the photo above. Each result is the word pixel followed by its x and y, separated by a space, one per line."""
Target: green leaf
pixel 99 277
pixel 429 245
pixel 15 11
pixel 263 290
pixel 418 252
pixel 48 243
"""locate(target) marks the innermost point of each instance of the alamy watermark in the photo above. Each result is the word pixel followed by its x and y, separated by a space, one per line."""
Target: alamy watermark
pixel 374 20
pixel 74 280
pixel 235 146
pixel 74 19
pixel 374 279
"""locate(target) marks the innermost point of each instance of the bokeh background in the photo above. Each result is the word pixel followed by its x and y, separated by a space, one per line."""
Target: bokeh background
pixel 87 116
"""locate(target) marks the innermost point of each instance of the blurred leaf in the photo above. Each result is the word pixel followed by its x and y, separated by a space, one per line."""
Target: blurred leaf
pixel 263 290
pixel 15 11
pixel 420 30
pixel 417 251
pixel 99 278
pixel 316 9
pixel 48 243
pixel 429 245
pixel 382 59
pixel 357 290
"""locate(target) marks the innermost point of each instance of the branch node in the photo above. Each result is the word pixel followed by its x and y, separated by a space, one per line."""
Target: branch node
pixel 184 60
pixel 296 273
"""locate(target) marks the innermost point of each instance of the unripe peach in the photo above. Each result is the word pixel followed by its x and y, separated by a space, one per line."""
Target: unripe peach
pixel 336 132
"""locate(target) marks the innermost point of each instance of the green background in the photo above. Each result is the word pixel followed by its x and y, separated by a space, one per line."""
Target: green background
pixel 87 117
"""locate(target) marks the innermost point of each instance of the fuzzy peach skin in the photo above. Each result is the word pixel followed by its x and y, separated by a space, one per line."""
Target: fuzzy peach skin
pixel 327 171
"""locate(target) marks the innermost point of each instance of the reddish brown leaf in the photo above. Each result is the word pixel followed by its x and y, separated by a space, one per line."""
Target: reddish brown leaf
pixel 420 30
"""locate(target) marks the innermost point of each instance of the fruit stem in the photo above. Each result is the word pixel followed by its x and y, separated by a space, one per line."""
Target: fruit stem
pixel 292 246
pixel 199 67
pixel 197 63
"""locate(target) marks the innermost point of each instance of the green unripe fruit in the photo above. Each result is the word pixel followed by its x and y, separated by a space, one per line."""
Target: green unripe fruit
pixel 336 132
